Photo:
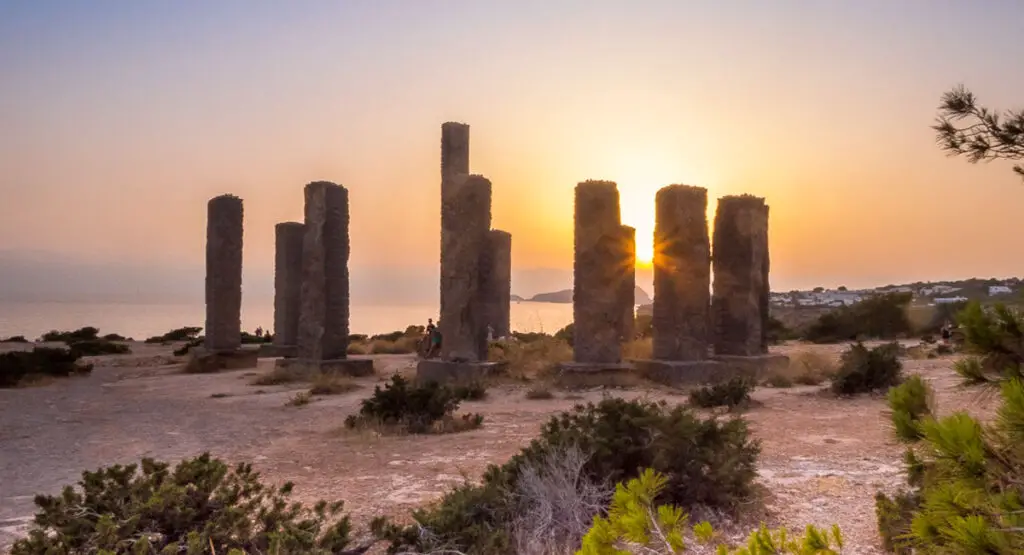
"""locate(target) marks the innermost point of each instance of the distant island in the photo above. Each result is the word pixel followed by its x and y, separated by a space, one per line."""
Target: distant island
pixel 565 297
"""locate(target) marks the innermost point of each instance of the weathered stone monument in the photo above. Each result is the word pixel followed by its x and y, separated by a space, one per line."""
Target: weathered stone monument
pixel 627 244
pixel 497 280
pixel 601 271
pixel 471 269
pixel 682 278
pixel 323 328
pixel 222 345
pixel 740 298
pixel 288 240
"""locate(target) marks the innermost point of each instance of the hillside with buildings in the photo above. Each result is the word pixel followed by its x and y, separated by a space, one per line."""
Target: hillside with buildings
pixel 924 293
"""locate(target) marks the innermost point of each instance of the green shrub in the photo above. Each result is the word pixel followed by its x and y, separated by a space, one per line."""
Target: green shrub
pixel 878 316
pixel 18 366
pixel 15 339
pixel 864 370
pixel 730 394
pixel 995 338
pixel 179 334
pixel 910 402
pixel 87 333
pixel 97 347
pixel 539 394
pixel 966 494
pixel 199 506
pixel 475 391
pixel 566 334
pixel 188 346
pixel 115 337
pixel 706 462
pixel 635 525
pixel 412 407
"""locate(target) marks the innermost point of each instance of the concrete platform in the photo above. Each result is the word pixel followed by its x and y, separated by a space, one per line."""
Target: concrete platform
pixel 675 373
pixel 203 361
pixel 446 372
pixel 355 366
pixel 268 350
pixel 590 374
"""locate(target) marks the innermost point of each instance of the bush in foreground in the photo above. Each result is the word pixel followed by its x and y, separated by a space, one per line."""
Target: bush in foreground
pixel 864 370
pixel 199 506
pixel 710 463
pixel 414 408
pixel 18 367
pixel 995 339
pixel 966 494
pixel 634 525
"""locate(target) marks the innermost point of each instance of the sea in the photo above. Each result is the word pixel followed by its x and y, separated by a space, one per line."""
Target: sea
pixel 138 321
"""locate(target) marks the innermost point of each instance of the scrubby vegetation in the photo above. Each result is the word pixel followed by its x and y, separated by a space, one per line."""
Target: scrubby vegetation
pixel 864 370
pixel 877 317
pixel 731 393
pixel 635 525
pixel 87 342
pixel 965 495
pixel 199 506
pixel 15 339
pixel 536 359
pixel 414 408
pixel 22 367
pixel 394 343
pixel 708 463
pixel 179 334
pixel 994 337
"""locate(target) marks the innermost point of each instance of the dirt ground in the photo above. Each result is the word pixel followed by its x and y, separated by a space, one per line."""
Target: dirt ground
pixel 823 458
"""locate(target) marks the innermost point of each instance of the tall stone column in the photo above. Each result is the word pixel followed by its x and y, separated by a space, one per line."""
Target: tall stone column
pixel 465 223
pixel 598 271
pixel 288 239
pixel 682 274
pixel 765 284
pixel 323 324
pixel 454 163
pixel 740 285
pixel 627 254
pixel 497 268
pixel 224 273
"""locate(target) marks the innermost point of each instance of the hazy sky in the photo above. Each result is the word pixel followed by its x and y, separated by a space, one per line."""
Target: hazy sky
pixel 121 119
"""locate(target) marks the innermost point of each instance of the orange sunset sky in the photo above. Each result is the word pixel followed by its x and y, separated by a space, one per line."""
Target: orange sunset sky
pixel 121 119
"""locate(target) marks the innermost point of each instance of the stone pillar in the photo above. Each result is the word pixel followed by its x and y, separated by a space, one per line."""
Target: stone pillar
pixel 223 274
pixel 323 321
pixel 465 223
pixel 627 244
pixel 682 274
pixel 765 284
pixel 740 264
pixel 497 279
pixel 598 272
pixel 454 163
pixel 288 239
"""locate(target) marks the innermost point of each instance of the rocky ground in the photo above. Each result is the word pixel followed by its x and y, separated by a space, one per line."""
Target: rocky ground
pixel 823 458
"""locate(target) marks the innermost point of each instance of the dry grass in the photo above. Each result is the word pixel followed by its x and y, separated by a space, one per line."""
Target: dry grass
pixel 451 424
pixel 534 359
pixel 539 393
pixel 638 349
pixel 301 398
pixel 277 376
pixel 332 384
pixel 401 346
pixel 805 368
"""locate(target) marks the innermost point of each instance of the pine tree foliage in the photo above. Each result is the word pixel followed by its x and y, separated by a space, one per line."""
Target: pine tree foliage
pixel 963 128
pixel 967 480
pixel 994 337
pixel 634 525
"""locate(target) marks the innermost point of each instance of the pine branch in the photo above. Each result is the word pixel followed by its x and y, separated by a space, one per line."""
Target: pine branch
pixel 988 136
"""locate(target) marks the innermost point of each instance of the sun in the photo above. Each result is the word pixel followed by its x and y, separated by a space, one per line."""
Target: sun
pixel 644 249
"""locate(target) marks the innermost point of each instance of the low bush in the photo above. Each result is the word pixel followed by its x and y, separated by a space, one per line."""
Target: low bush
pixel 97 347
pixel 531 360
pixel 18 367
pixel 539 394
pixel 708 463
pixel 87 333
pixel 411 407
pixel 179 334
pixel 15 339
pixel 199 506
pixel 864 370
pixel 115 337
pixel 566 334
pixel 475 391
pixel 634 525
pixel 994 337
pixel 965 492
pixel 300 399
pixel 730 394
pixel 188 346
pixel 879 317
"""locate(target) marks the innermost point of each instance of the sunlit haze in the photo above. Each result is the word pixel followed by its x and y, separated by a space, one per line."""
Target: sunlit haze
pixel 121 119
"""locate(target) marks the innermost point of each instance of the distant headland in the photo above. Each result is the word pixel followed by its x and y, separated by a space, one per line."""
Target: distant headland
pixel 565 297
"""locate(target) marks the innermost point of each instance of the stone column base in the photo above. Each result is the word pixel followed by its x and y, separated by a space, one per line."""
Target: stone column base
pixel 203 361
pixel 268 350
pixel 304 367
pixel 574 375
pixel 444 371
pixel 679 373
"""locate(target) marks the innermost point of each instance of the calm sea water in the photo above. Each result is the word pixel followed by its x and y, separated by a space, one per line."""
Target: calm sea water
pixel 145 320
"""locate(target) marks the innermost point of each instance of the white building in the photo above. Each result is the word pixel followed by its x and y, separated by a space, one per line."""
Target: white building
pixel 950 300
pixel 937 290
pixel 999 290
